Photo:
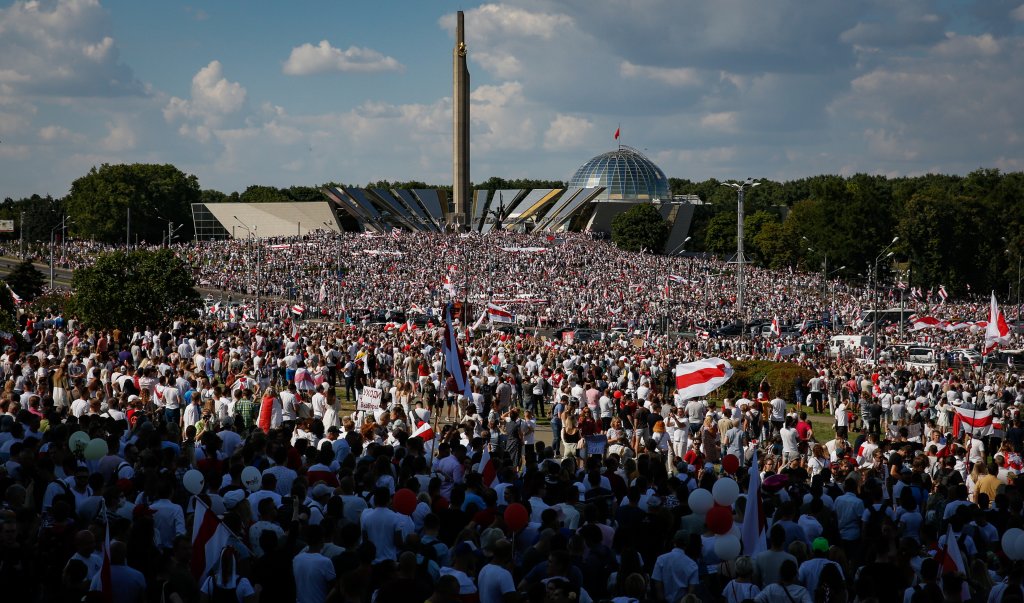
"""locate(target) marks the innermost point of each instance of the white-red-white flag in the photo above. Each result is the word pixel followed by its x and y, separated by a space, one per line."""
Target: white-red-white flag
pixel 700 378
pixel 487 469
pixel 776 331
pixel 298 309
pixel 926 322
pixel 952 558
pixel 209 537
pixel 942 293
pixel 423 430
pixel 498 314
pixel 978 423
pixel 996 331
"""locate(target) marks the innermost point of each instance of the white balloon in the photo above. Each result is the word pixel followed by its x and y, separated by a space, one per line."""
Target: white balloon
pixel 1009 540
pixel 95 449
pixel 193 481
pixel 251 478
pixel 726 491
pixel 701 501
pixel 78 441
pixel 727 547
pixel 1016 551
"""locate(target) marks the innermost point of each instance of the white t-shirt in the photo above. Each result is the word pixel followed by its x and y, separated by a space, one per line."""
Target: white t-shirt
pixel 314 574
pixel 243 588
pixel 494 582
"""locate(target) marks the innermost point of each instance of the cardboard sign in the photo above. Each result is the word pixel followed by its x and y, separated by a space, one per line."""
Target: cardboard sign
pixel 596 444
pixel 370 400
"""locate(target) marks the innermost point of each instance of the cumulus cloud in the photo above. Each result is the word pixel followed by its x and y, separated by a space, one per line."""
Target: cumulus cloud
pixel 673 76
pixel 120 137
pixel 62 49
pixel 55 133
pixel 213 98
pixel 567 132
pixel 324 58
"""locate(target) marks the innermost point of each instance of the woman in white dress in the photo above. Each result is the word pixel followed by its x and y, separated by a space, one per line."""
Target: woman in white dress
pixel 330 418
pixel 60 387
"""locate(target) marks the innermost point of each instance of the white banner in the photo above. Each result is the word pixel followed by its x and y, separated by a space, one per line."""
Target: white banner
pixel 370 400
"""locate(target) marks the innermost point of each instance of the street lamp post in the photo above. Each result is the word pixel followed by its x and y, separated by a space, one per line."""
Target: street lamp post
pixel 832 304
pixel 740 259
pixel 874 299
pixel 254 234
pixel 337 266
pixel 64 223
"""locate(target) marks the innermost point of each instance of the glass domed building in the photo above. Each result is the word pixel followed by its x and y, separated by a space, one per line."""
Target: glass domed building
pixel 626 174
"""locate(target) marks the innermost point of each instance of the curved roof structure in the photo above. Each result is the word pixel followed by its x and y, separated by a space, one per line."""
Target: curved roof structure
pixel 626 175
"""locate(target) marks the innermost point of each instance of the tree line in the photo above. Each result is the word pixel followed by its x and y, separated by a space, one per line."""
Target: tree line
pixel 958 231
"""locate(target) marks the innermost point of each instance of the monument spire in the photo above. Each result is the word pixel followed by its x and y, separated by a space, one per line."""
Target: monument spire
pixel 461 194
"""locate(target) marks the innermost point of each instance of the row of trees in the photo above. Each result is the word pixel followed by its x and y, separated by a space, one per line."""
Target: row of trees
pixel 959 231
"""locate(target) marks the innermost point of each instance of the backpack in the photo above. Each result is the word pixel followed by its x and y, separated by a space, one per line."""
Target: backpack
pixel 876 519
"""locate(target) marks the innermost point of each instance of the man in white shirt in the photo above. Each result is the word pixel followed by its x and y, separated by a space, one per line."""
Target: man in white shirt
pixel 314 573
pixel 495 581
pixel 319 403
pixel 168 517
pixel 842 421
pixel 289 409
pixel 380 526
pixel 675 574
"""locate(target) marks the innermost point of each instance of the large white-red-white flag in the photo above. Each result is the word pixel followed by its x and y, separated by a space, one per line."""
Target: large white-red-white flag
pixel 209 537
pixel 996 332
pixel 497 314
pixel 776 331
pixel 455 362
pixel 700 378
pixel 978 423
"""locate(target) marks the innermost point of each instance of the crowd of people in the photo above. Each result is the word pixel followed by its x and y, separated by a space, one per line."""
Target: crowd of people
pixel 565 472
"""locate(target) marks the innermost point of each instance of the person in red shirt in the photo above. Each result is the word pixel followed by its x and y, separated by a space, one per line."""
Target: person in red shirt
pixel 804 431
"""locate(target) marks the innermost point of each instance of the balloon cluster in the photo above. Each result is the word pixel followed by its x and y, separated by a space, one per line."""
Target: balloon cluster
pixel 716 507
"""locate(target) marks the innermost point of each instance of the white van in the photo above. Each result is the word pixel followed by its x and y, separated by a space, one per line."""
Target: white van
pixel 843 345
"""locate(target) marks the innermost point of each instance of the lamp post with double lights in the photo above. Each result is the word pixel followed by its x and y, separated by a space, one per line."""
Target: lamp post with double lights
pixel 253 233
pixel 64 223
pixel 874 299
pixel 832 304
pixel 741 189
pixel 337 265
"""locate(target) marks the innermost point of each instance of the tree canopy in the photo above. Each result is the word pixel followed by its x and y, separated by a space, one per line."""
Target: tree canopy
pixel 26 280
pixel 98 203
pixel 640 227
pixel 134 288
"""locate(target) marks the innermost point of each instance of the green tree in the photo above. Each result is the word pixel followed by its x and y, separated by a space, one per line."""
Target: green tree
pixel 8 315
pixel 99 202
pixel 720 234
pixel 136 288
pixel 26 280
pixel 640 227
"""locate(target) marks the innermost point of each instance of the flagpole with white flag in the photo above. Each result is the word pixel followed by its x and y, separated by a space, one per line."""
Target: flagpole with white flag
pixel 996 331
pixel 752 531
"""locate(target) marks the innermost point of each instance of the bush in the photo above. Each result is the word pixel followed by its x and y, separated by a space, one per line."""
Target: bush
pixel 747 376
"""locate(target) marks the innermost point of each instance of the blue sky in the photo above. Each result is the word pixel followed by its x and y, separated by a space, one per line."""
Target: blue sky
pixel 301 93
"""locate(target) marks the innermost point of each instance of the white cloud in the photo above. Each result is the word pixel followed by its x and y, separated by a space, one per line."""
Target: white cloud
pixel 567 132
pixel 672 76
pixel 54 133
pixel 213 98
pixel 1018 13
pixel 954 46
pixel 120 137
pixel 324 58
pixel 724 121
pixel 64 48
pixel 488 21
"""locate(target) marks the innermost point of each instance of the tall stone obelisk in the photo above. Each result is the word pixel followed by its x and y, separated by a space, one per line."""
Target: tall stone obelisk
pixel 460 127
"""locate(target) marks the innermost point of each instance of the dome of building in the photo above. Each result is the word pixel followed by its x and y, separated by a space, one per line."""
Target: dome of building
pixel 627 175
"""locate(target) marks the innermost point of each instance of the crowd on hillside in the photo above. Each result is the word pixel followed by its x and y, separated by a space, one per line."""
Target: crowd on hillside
pixel 563 280
pixel 225 460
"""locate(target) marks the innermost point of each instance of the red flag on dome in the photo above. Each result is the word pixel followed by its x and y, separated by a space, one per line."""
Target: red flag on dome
pixel 617 133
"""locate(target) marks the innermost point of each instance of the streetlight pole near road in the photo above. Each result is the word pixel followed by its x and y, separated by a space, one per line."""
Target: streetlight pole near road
pixel 874 299
pixel 64 223
pixel 254 233
pixel 740 259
